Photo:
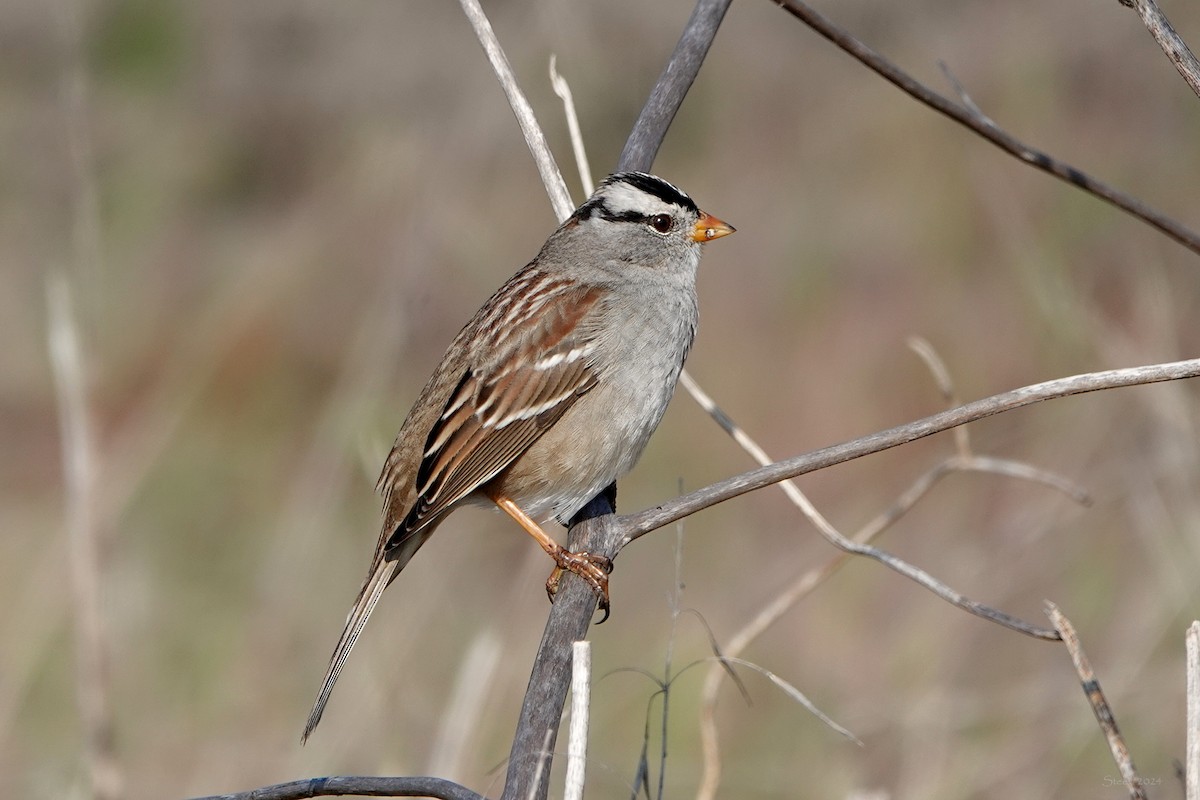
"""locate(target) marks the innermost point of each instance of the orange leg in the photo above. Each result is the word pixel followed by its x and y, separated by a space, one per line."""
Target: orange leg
pixel 591 567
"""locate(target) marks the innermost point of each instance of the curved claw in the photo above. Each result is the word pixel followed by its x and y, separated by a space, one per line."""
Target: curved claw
pixel 592 567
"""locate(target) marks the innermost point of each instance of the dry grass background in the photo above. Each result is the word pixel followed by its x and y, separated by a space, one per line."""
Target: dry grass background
pixel 300 202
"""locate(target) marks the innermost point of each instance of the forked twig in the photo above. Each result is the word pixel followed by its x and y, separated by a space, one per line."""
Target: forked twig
pixel 963 460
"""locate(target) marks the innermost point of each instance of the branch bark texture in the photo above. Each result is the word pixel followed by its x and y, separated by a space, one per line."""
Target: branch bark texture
pixel 667 95
pixel 1164 33
pixel 988 129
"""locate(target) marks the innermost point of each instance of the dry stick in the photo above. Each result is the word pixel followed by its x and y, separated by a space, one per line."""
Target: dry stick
pixel 637 525
pixel 1192 768
pixel 560 199
pixel 838 540
pixel 964 460
pixel 1176 49
pixel 988 129
pixel 563 90
pixel 83 550
pixel 577 733
pixel 1095 696
pixel 357 786
pixel 84 525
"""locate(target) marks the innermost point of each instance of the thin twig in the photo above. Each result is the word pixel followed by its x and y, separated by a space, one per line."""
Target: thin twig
pixel 794 693
pixel 641 523
pixel 986 128
pixel 563 90
pixel 941 376
pixel 1192 768
pixel 85 527
pixel 1100 706
pixel 963 460
pixel 1164 33
pixel 560 198
pixel 83 548
pixel 577 732
pixel 357 786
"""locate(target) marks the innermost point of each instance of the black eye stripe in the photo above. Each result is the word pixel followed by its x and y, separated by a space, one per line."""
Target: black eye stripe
pixel 598 207
pixel 626 216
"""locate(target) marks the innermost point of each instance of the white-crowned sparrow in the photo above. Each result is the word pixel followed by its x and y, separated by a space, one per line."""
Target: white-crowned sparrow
pixel 551 391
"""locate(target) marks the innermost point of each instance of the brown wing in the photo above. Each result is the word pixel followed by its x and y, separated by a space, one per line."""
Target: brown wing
pixel 536 365
pixel 490 412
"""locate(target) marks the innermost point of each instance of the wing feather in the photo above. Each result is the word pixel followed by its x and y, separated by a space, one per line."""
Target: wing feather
pixel 504 402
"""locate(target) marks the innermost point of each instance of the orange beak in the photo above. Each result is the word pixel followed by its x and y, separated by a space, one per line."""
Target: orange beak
pixel 709 227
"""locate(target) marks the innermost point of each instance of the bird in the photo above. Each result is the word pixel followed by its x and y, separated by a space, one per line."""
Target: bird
pixel 552 389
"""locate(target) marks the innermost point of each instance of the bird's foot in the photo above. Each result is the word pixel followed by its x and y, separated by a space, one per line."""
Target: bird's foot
pixel 592 567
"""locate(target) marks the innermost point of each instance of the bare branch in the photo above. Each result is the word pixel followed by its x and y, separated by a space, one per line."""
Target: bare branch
pixel 941 376
pixel 1095 696
pixel 672 86
pixel 1176 49
pixel 570 616
pixel 1192 768
pixel 577 734
pixel 560 198
pixel 357 786
pixel 83 547
pixel 641 523
pixel 987 129
pixel 964 460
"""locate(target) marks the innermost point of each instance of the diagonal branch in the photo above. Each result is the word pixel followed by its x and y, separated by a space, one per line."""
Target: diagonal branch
pixel 1098 702
pixel 1164 33
pixel 641 523
pixel 672 86
pixel 983 126
pixel 560 199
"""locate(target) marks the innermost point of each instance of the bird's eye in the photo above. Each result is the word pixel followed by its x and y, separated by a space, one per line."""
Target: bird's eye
pixel 661 223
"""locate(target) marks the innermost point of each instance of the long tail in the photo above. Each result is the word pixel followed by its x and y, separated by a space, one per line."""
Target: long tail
pixel 381 575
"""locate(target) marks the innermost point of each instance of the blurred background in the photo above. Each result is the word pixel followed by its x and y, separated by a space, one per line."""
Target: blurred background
pixel 273 217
